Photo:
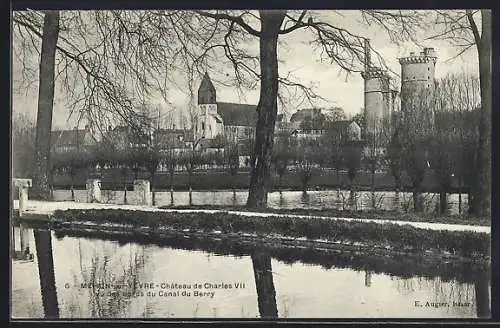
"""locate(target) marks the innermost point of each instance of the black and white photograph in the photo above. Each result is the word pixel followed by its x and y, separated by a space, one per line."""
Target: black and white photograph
pixel 250 164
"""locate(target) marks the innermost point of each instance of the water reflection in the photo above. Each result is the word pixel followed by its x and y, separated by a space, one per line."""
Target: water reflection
pixel 482 292
pixel 263 273
pixel 327 199
pixel 287 282
pixel 43 244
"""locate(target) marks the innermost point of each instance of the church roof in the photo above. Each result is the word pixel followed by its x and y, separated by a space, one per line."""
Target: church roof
pixel 237 114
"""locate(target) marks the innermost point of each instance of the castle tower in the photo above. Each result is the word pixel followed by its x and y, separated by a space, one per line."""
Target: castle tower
pixel 378 98
pixel 417 87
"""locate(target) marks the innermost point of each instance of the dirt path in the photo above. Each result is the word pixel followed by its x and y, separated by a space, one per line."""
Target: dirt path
pixel 47 208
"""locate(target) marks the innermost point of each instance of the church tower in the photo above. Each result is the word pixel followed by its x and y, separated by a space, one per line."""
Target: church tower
pixel 206 91
pixel 208 122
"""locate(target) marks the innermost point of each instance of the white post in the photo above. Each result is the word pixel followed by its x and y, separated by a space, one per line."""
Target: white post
pixel 142 192
pixel 93 190
pixel 22 185
pixel 24 239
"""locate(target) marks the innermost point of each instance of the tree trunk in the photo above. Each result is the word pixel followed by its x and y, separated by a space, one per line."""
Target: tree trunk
pixel 171 188
pixel 470 203
pixel 443 202
pixel 304 183
pixel 417 201
pixel 266 109
pixel 41 188
pixel 460 196
pixel 153 193
pixel 397 202
pixel 71 188
pixel 373 189
pixel 190 189
pixel 338 183
pixel 482 186
pixel 125 193
pixel 266 293
pixel 43 244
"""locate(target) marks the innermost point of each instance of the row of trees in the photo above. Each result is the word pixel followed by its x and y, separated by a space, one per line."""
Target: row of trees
pixel 446 147
pixel 143 162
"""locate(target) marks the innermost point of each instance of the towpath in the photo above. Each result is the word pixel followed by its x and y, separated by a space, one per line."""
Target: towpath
pixel 43 208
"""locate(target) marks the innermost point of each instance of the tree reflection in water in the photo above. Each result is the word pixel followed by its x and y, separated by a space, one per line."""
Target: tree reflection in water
pixel 111 288
pixel 43 244
pixel 411 272
pixel 266 294
pixel 453 292
pixel 482 294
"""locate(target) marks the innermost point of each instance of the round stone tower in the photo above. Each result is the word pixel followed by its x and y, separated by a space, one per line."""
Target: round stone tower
pixel 417 86
pixel 378 100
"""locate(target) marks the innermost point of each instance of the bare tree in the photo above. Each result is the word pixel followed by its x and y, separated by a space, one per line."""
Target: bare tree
pixel 283 155
pixel 373 155
pixel 461 28
pixel 395 153
pixel 232 159
pixel 41 177
pixel 23 146
pixel 105 63
pixel 352 160
pixel 459 98
pixel 230 31
pixel 418 129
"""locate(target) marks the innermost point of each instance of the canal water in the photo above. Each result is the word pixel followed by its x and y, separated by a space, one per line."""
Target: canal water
pixel 84 275
pixel 326 199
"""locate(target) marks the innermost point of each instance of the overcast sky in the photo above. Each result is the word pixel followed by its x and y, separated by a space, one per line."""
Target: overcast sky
pixel 332 84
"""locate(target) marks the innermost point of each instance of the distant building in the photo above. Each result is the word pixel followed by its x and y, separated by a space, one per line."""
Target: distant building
pixel 177 140
pixel 72 140
pixel 344 130
pixel 236 122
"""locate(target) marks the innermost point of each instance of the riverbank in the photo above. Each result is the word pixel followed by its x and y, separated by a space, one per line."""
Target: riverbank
pixel 400 238
pixel 379 215
pixel 396 236
pixel 43 211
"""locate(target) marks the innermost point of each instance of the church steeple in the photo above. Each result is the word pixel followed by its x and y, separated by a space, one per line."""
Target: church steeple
pixel 206 92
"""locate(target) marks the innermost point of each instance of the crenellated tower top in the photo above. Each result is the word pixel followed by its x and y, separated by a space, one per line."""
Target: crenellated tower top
pixel 428 55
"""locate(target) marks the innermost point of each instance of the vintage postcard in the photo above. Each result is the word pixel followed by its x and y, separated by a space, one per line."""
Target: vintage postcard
pixel 258 164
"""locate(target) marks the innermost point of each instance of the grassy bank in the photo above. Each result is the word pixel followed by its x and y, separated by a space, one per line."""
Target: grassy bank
pixel 372 214
pixel 399 238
